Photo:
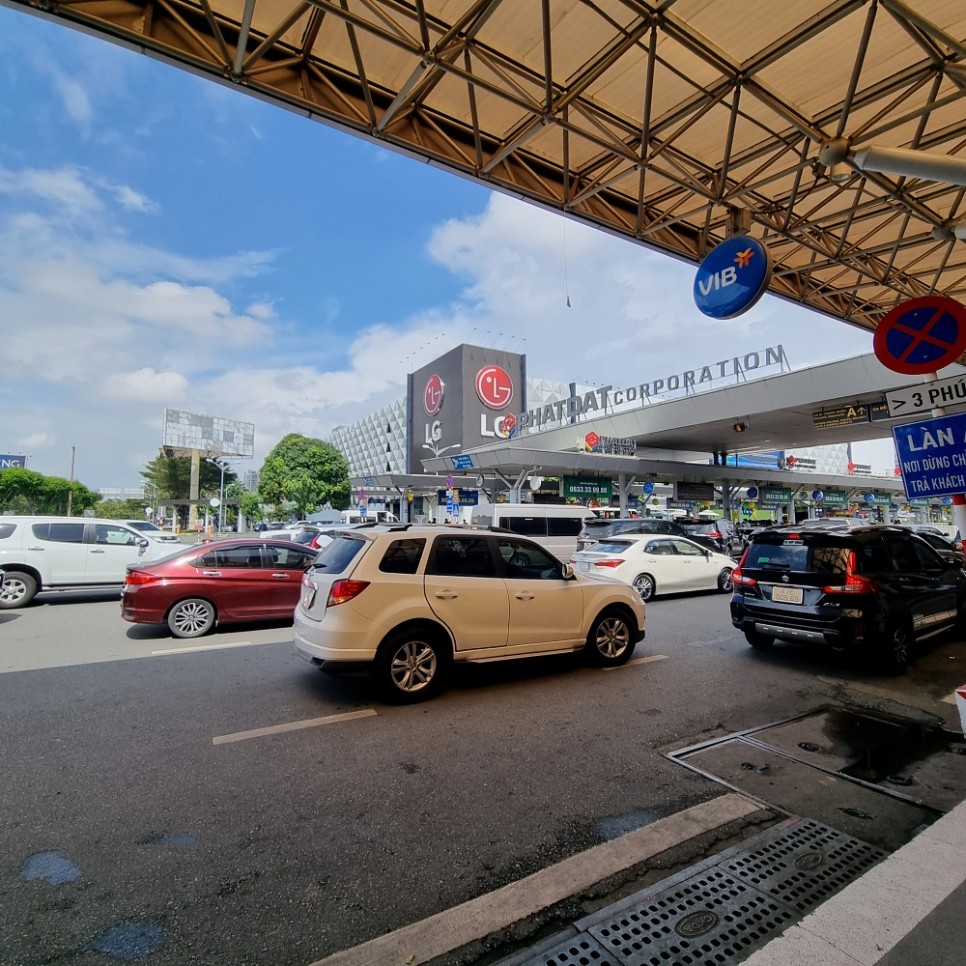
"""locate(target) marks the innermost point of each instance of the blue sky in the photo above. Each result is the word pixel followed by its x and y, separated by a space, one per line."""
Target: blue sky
pixel 168 242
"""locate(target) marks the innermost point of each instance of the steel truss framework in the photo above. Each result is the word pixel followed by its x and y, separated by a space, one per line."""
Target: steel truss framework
pixel 669 122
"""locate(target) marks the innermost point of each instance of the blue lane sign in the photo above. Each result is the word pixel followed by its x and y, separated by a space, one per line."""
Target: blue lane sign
pixel 752 492
pixel 932 456
pixel 732 277
pixel 647 489
pixel 818 495
pixel 462 462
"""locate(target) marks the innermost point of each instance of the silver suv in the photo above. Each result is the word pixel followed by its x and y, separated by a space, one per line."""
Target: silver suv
pixel 412 600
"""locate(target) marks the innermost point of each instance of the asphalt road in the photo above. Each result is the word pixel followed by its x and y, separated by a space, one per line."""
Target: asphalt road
pixel 222 802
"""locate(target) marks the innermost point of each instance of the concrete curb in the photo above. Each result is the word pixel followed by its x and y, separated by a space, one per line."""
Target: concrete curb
pixel 438 935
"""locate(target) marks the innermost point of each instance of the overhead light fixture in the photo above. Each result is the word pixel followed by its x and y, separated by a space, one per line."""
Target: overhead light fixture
pixel 900 161
pixel 740 427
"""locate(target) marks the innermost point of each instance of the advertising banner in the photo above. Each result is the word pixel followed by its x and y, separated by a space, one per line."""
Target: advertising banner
pixel 584 487
pixel 9 461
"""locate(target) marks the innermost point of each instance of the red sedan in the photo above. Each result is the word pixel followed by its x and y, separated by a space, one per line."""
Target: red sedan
pixel 216 583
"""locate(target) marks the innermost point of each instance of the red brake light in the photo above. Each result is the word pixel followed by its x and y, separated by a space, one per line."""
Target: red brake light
pixel 140 577
pixel 854 583
pixel 738 578
pixel 344 590
pixel 609 562
pixel 716 534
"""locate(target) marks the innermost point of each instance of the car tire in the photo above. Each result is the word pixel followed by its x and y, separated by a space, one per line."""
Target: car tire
pixel 645 586
pixel 191 617
pixel 897 642
pixel 19 589
pixel 411 665
pixel 759 641
pixel 725 583
pixel 611 639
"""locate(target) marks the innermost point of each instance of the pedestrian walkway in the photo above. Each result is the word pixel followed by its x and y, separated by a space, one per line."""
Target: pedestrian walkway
pixel 904 909
pixel 798 894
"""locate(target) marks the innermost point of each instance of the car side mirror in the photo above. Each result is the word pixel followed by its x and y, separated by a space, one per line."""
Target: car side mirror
pixel 568 571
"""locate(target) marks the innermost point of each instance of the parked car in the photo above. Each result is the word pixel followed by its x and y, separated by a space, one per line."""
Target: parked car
pixel 66 553
pixel 411 600
pixel 595 531
pixel 879 589
pixel 657 563
pixel 723 534
pixel 945 547
pixel 216 583
pixel 152 531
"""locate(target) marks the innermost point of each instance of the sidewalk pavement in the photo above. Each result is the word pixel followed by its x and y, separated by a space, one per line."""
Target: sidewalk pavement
pixel 909 910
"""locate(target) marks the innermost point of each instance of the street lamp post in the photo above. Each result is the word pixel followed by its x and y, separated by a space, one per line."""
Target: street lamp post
pixel 222 465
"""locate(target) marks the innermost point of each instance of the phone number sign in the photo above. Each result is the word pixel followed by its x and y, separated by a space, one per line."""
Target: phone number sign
pixel 932 456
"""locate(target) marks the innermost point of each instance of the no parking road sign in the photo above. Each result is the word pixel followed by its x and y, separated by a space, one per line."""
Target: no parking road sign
pixel 921 336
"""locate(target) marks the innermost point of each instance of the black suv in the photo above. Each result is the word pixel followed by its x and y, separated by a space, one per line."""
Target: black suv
pixel 723 535
pixel 880 589
pixel 596 530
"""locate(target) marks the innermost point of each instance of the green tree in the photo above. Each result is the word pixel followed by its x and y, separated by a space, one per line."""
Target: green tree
pixel 171 477
pixel 305 472
pixel 26 491
pixel 120 509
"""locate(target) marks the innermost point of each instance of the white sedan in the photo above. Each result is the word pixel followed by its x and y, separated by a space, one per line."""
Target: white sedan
pixel 656 563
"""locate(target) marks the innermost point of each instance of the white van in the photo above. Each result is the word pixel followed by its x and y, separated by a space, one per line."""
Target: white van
pixel 372 516
pixel 555 526
pixel 67 553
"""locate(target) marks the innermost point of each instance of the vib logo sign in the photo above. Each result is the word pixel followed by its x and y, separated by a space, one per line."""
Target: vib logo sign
pixel 732 277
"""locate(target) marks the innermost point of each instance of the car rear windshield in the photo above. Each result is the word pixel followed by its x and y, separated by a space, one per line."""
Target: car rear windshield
pixel 803 553
pixel 336 556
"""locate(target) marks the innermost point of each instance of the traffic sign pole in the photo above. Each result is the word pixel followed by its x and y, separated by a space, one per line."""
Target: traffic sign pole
pixel 959 499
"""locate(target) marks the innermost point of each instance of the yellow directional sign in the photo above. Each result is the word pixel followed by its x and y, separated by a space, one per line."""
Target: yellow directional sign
pixel 842 416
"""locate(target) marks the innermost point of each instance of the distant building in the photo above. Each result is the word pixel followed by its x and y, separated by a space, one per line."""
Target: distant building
pixel 250 481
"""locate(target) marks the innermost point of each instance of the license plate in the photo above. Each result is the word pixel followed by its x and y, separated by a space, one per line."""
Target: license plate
pixel 787 595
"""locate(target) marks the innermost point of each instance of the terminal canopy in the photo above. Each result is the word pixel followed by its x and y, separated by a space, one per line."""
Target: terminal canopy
pixel 832 130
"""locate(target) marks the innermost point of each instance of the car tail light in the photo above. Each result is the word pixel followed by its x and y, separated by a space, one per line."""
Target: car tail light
pixel 739 579
pixel 854 583
pixel 344 590
pixel 609 562
pixel 715 534
pixel 140 577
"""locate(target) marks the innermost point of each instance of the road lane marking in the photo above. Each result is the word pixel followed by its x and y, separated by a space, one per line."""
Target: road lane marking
pixel 292 726
pixel 639 660
pixel 215 647
pixel 432 938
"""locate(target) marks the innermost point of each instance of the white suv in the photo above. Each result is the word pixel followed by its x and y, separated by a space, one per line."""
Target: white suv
pixel 411 600
pixel 66 553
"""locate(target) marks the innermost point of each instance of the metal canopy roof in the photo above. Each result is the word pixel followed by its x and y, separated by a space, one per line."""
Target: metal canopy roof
pixel 663 121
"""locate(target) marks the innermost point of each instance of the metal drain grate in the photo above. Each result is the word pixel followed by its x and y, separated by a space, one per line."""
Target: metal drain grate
pixel 710 918
pixel 804 864
pixel 719 911
pixel 580 951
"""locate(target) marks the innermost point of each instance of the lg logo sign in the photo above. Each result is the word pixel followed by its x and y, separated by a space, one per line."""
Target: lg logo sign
pixel 433 395
pixel 494 387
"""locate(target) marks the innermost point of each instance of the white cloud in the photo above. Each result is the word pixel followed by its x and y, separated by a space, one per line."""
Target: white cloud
pixel 64 187
pixel 74 99
pixel 135 201
pixel 37 441
pixel 146 385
